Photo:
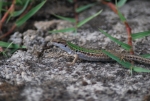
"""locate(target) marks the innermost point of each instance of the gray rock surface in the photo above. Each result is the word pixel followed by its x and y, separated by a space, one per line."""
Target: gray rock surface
pixel 41 74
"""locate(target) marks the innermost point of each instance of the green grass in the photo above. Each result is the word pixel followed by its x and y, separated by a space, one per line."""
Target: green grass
pixel 120 43
pixel 23 4
pixel 22 20
pixel 83 8
pixel 125 63
pixel 81 23
pixel 12 46
pixel 140 35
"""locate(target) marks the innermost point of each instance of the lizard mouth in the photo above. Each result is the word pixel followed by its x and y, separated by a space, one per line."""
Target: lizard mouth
pixel 59 40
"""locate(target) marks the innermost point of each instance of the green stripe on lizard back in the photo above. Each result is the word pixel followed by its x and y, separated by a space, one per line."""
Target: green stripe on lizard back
pixel 82 49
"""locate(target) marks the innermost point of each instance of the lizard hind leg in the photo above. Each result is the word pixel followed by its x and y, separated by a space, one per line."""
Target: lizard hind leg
pixel 125 58
pixel 120 55
pixel 122 58
pixel 132 67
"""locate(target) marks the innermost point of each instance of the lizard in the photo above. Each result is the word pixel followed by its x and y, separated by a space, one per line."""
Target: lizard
pixel 94 54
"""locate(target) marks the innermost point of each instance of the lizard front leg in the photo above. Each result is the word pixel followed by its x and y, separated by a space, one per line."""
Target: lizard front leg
pixel 74 60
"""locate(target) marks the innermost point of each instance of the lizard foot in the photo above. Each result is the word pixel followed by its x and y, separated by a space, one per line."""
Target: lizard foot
pixel 74 60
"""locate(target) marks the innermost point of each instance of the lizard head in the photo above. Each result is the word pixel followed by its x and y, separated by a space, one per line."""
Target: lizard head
pixel 61 44
pixel 59 41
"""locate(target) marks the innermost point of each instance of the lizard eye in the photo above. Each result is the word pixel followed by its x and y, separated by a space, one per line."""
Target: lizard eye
pixel 65 45
pixel 76 50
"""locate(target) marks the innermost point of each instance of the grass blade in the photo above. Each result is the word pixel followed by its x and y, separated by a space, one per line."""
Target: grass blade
pixel 121 3
pixel 63 30
pixel 80 9
pixel 17 13
pixel 139 69
pixel 70 1
pixel 65 18
pixel 88 19
pixel 78 25
pixel 1 5
pixel 140 35
pixel 10 45
pixel 123 45
pixel 29 14
pixel 145 55
pixel 122 18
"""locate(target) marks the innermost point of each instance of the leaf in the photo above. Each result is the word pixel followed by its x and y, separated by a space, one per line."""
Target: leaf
pixel 65 18
pixel 122 18
pixel 123 45
pixel 71 1
pixel 145 55
pixel 10 45
pixel 16 13
pixel 63 30
pixel 22 20
pixel 4 53
pixel 121 3
pixel 88 19
pixel 79 25
pixel 1 5
pixel 140 35
pixel 80 9
pixel 139 69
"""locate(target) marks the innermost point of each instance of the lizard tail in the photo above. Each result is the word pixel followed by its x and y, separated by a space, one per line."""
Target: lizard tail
pixel 137 59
